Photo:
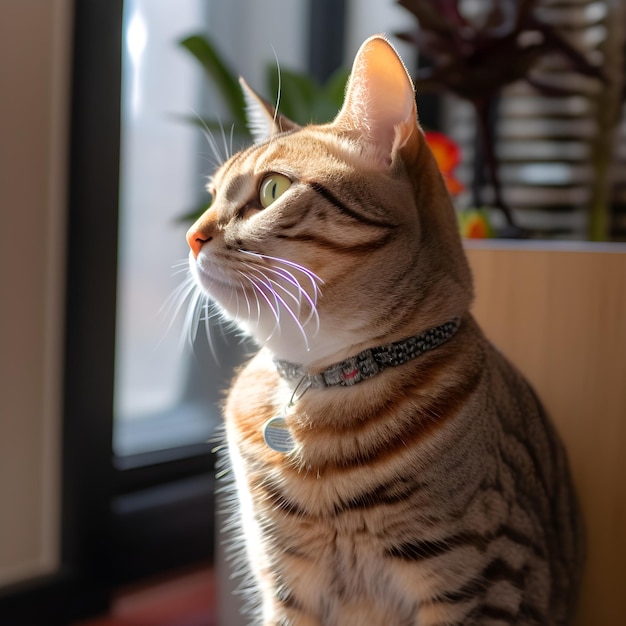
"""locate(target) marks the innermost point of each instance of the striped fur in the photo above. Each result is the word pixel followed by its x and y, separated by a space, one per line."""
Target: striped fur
pixel 435 493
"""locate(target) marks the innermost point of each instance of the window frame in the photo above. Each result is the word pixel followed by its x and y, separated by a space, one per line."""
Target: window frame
pixel 114 510
pixel 111 542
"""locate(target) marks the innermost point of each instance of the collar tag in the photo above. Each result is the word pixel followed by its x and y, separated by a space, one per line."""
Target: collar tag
pixel 277 435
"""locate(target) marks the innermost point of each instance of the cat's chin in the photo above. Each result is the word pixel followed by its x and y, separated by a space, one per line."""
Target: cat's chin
pixel 287 344
pixel 315 352
pixel 217 288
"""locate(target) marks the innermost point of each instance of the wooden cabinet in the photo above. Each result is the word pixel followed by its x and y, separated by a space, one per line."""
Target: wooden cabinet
pixel 560 315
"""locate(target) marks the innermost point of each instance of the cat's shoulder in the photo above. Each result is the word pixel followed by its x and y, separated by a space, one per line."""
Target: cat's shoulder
pixel 256 381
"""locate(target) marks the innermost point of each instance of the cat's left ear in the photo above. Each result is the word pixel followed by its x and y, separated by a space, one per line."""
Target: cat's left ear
pixel 263 119
pixel 379 107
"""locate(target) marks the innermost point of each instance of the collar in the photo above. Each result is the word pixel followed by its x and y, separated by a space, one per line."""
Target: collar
pixel 371 361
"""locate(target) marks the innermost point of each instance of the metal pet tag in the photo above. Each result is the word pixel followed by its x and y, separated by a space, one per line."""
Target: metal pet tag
pixel 277 436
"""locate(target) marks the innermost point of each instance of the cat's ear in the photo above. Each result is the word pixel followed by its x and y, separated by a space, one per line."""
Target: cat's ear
pixel 263 119
pixel 379 106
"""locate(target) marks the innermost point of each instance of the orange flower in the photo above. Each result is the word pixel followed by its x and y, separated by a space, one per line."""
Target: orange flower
pixel 475 224
pixel 448 156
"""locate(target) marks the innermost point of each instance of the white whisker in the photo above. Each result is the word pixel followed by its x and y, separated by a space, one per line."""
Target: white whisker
pixel 248 305
pixel 314 278
pixel 290 277
pixel 214 149
pixel 275 310
pixel 192 317
pixel 218 158
pixel 232 133
pixel 177 298
pixel 180 264
pixel 226 152
pixel 269 284
pixel 279 86
pixel 207 326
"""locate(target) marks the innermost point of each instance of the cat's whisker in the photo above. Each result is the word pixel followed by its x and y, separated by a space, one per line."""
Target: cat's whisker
pixel 269 284
pixel 237 311
pixel 176 299
pixel 208 315
pixel 232 134
pixel 249 306
pixel 190 323
pixel 258 304
pixel 233 294
pixel 274 308
pixel 258 307
pixel 185 294
pixel 226 151
pixel 316 281
pixel 298 300
pixel 280 86
pixel 217 156
pixel 180 267
pixel 295 318
pixel 289 277
pixel 215 150
pixel 264 277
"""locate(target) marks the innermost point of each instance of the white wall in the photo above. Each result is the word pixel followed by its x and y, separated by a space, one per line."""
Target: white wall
pixel 249 32
pixel 35 36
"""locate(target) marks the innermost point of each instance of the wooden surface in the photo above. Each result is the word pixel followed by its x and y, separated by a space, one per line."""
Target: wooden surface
pixel 560 316
pixel 183 598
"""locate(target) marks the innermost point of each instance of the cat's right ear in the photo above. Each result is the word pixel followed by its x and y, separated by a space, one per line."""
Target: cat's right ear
pixel 264 121
pixel 379 107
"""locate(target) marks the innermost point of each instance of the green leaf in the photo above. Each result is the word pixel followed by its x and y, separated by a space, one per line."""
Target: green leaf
pixel 216 68
pixel 297 93
pixel 335 87
pixel 193 215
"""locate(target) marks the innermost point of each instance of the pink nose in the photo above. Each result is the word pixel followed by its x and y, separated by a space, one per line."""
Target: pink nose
pixel 196 239
pixel 201 232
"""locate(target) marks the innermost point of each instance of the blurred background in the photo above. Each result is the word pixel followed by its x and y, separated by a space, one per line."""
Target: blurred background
pixel 112 115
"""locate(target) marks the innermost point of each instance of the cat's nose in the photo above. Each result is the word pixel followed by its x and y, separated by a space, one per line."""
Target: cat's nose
pixel 197 236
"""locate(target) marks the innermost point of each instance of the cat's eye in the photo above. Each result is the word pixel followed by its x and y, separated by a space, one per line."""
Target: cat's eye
pixel 272 187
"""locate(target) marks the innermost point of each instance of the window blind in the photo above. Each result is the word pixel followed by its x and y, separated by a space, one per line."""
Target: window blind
pixel 547 144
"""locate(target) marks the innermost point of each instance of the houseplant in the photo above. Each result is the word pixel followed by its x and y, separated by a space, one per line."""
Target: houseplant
pixel 475 58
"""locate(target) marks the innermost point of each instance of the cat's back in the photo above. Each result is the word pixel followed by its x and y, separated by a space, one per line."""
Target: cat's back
pixel 534 460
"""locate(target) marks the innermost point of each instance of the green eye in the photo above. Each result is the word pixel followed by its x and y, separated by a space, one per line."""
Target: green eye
pixel 272 187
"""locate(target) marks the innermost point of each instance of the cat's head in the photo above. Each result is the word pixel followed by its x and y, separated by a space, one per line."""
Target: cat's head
pixel 324 240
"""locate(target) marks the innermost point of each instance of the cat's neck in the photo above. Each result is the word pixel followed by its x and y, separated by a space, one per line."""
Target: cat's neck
pixel 325 349
pixel 370 362
pixel 313 349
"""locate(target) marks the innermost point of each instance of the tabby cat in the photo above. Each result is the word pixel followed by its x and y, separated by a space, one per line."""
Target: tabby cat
pixel 391 467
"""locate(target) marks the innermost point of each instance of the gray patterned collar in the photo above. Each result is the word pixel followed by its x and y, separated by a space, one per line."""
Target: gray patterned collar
pixel 369 362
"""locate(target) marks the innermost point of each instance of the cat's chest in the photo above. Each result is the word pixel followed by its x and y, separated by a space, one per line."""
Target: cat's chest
pixel 328 557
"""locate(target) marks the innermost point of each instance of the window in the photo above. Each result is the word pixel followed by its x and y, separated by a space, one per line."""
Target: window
pixel 167 391
pixel 156 407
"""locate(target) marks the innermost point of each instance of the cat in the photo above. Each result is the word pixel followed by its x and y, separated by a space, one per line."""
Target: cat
pixel 391 467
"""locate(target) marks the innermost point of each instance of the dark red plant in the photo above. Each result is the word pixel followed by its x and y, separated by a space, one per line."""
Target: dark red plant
pixel 476 60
